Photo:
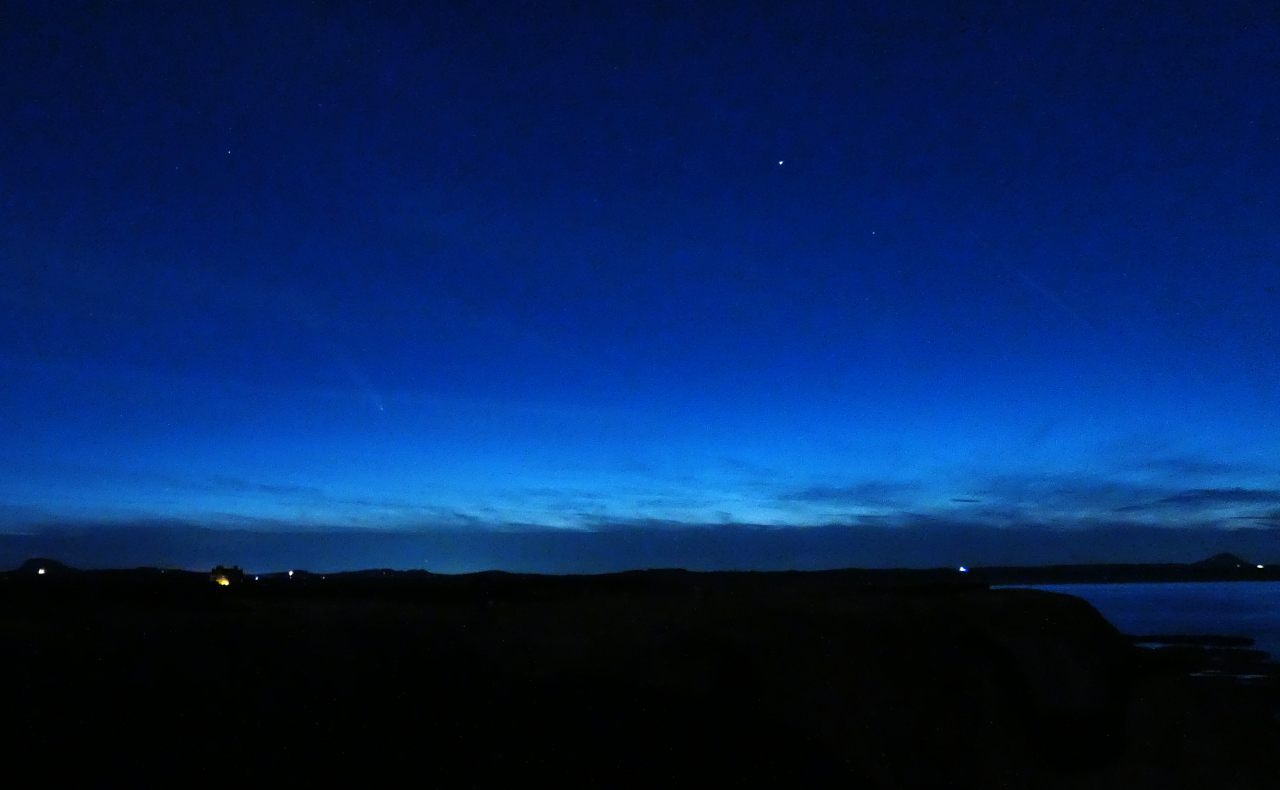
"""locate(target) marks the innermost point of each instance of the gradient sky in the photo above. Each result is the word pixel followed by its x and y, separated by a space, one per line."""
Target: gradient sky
pixel 905 269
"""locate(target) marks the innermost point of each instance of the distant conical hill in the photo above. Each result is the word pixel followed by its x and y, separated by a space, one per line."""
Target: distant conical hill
pixel 36 565
pixel 1223 560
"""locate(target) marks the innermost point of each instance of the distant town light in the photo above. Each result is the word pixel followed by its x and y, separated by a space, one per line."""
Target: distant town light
pixel 222 580
pixel 290 573
pixel 1259 568
pixel 41 571
pixel 963 569
pixel 255 578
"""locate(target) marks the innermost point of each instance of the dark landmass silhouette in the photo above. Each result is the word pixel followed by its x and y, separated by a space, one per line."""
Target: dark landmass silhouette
pixel 858 678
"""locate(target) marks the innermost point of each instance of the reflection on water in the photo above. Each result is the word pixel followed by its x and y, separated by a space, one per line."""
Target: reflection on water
pixel 1249 609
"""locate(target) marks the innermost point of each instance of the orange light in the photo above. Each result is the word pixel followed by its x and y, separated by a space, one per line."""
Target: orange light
pixel 223 580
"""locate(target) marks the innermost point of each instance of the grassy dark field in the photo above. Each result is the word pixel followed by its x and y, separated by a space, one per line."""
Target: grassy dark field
pixel 646 678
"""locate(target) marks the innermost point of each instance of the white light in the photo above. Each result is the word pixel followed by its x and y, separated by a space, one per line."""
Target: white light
pixel 1258 567
pixel 963 569
pixel 41 571
pixel 255 578
pixel 779 161
pixel 290 573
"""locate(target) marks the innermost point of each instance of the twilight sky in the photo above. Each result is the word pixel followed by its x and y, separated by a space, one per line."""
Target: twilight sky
pixel 902 283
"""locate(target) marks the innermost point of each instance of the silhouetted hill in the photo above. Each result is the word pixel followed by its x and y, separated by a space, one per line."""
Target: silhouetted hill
pixel 37 566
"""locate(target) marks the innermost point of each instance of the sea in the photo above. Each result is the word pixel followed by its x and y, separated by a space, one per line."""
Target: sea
pixel 1249 609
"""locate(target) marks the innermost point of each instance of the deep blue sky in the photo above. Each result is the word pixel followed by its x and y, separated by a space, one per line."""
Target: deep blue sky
pixel 937 282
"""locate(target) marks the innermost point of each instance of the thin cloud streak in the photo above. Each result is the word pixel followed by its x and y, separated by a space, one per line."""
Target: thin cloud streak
pixel 871 493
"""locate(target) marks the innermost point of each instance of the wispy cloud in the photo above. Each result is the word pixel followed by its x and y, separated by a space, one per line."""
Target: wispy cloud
pixel 1191 467
pixel 16 518
pixel 1111 497
pixel 291 494
pixel 1268 519
pixel 236 485
pixel 1206 501
pixel 1039 499
pixel 1221 496
pixel 873 493
pixel 1099 500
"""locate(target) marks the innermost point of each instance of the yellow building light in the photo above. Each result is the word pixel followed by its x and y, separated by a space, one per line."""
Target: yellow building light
pixel 222 580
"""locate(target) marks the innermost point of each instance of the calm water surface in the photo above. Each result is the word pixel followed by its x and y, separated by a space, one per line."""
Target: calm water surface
pixel 1229 608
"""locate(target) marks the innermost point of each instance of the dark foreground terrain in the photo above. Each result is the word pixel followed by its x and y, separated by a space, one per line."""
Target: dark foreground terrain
pixel 654 678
